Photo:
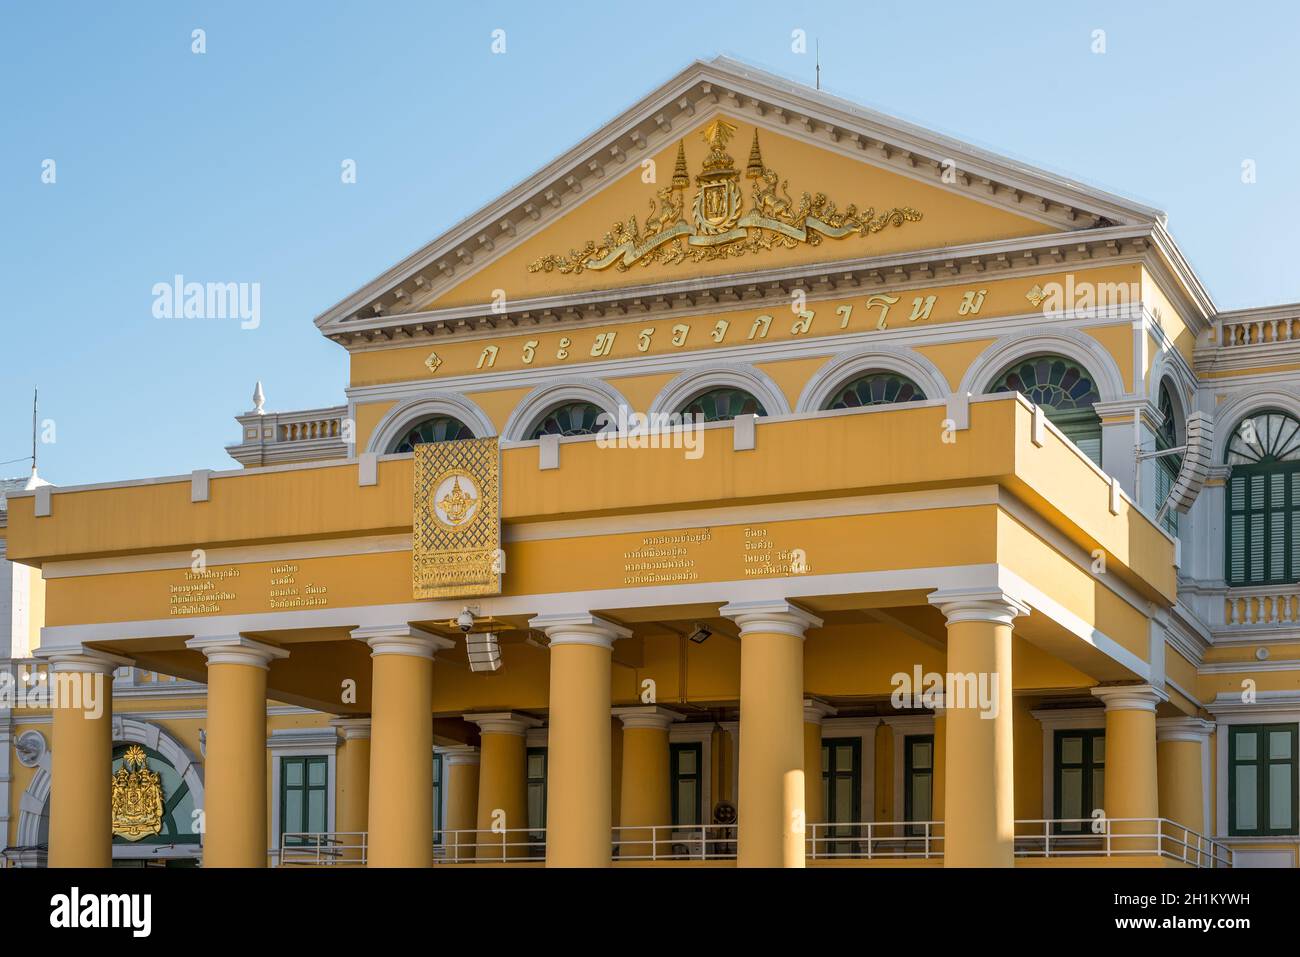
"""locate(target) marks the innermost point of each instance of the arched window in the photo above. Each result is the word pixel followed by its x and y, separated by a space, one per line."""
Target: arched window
pixel 719 405
pixel 1263 527
pixel 571 418
pixel 436 428
pixel 1168 466
pixel 875 388
pixel 1066 393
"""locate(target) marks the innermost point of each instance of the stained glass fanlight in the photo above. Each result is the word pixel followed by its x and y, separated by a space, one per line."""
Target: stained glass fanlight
pixel 571 418
pixel 1065 391
pixel 875 388
pixel 436 428
pixel 719 405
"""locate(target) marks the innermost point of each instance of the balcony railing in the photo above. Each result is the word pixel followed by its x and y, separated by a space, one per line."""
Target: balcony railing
pixel 323 849
pixel 1261 606
pixel 1061 839
pixel 702 842
pixel 875 840
pixel 1256 330
pixel 275 437
pixel 507 846
pixel 1119 837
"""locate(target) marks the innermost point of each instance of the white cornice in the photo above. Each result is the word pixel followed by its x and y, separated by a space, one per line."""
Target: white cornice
pixel 692 96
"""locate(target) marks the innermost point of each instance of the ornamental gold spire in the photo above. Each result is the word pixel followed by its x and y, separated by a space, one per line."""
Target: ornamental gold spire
pixel 681 178
pixel 754 168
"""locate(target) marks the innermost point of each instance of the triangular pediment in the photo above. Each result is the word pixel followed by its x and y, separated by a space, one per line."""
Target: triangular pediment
pixel 723 172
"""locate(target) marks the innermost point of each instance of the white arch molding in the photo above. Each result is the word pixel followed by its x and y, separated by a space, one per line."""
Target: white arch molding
pixel 403 416
pixel 737 375
pixel 1011 348
pixel 1243 406
pixel 842 369
pixel 34 804
pixel 546 397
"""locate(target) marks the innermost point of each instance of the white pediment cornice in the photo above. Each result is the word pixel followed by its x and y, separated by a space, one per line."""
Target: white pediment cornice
pixel 760 288
pixel 703 88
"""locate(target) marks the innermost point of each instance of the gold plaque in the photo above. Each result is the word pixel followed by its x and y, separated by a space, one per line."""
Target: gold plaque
pixel 137 797
pixel 456 527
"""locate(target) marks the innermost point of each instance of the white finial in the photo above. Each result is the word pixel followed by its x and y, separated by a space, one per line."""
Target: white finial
pixel 259 398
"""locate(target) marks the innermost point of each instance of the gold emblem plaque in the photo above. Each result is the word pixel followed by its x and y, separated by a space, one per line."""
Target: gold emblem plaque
pixel 456 526
pixel 137 797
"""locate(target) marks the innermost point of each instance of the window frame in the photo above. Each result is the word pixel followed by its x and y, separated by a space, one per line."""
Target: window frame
pixel 1088 766
pixel 909 785
pixel 539 833
pixel 1263 762
pixel 306 760
pixel 675 776
pixel 1291 527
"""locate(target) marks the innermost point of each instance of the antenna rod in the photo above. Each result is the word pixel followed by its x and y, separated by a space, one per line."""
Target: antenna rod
pixel 819 63
pixel 35 396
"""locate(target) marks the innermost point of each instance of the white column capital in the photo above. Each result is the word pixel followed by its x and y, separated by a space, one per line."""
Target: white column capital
pixel 465 755
pixel 816 710
pixel 1194 730
pixel 647 716
pixel 237 650
pixel 769 618
pixel 402 640
pixel 352 729
pixel 1130 697
pixel 978 604
pixel 502 722
pixel 81 660
pixel 580 629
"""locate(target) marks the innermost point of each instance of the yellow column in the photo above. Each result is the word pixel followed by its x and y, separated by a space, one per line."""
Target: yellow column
pixel 503 784
pixel 645 801
pixel 353 812
pixel 1132 787
pixel 814 712
pixel 460 776
pixel 940 757
pixel 979 829
pixel 579 768
pixel 234 769
pixel 401 744
pixel 1181 757
pixel 81 805
pixel 772 824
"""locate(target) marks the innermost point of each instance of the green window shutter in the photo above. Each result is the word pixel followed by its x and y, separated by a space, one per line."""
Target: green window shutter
pixel 1236 550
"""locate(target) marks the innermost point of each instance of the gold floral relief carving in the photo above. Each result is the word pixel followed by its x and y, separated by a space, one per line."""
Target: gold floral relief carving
pixel 718 226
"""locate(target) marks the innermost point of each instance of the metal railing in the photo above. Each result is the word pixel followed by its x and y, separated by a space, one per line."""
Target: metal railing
pixel 323 849
pixel 872 840
pixel 1119 837
pixel 506 846
pixel 668 842
pixel 866 840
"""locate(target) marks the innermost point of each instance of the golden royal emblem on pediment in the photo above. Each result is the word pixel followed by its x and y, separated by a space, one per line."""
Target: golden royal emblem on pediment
pixel 719 227
pixel 137 797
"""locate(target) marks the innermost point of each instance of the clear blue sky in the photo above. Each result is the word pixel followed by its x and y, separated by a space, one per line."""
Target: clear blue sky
pixel 225 166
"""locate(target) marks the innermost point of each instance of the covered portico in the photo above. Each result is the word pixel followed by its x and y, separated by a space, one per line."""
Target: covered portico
pixel 967 539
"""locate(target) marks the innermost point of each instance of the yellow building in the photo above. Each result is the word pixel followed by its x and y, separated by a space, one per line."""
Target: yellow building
pixel 765 482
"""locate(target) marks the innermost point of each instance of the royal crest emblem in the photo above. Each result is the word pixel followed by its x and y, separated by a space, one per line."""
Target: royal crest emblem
pixel 719 227
pixel 454 504
pixel 456 524
pixel 137 797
